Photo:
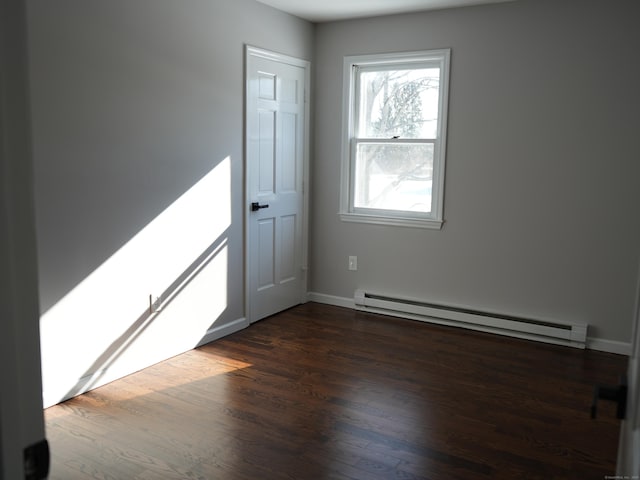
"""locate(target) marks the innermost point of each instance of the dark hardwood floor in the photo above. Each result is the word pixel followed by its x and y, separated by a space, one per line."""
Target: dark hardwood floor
pixel 322 392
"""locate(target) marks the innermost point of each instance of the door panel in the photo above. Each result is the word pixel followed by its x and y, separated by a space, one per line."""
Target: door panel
pixel 266 161
pixel 289 149
pixel 290 90
pixel 267 86
pixel 289 250
pixel 266 254
pixel 275 128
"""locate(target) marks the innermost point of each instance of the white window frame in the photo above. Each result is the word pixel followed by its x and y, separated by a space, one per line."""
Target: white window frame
pixel 348 213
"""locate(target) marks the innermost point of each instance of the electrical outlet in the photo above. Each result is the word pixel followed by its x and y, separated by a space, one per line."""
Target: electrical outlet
pixel 353 262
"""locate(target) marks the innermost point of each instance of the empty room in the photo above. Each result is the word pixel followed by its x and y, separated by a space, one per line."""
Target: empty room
pixel 320 239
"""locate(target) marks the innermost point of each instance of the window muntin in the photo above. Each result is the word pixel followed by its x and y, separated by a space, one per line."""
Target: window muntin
pixel 394 156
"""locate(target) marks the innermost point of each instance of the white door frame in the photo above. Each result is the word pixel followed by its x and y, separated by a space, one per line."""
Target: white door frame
pixel 251 51
pixel 628 464
pixel 21 415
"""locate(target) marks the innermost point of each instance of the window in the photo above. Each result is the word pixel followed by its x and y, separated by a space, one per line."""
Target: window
pixel 394 142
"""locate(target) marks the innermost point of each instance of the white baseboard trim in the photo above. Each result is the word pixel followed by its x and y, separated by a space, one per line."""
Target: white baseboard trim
pixel 222 331
pixel 331 300
pixel 599 344
pixel 610 346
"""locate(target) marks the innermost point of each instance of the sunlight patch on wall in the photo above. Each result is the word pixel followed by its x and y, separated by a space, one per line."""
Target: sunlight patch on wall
pixel 105 323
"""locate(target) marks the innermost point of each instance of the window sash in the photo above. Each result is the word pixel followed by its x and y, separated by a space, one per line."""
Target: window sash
pixel 356 87
pixel 405 213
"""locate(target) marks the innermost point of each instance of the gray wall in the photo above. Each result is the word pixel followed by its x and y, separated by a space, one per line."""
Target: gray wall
pixel 541 197
pixel 137 108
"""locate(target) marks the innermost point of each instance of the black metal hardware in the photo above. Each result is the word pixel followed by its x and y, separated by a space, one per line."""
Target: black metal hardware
pixel 36 461
pixel 615 394
pixel 255 206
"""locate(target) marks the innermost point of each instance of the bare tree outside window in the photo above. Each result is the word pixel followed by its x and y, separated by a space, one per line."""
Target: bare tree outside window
pixel 399 103
pixel 401 107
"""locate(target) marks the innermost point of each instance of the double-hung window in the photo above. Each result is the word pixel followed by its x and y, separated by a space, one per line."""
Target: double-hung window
pixel 395 117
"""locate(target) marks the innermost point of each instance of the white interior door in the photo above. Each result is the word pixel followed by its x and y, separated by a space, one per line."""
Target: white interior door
pixel 629 449
pixel 276 122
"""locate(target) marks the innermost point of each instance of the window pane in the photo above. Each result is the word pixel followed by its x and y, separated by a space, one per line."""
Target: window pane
pixel 394 176
pixel 402 103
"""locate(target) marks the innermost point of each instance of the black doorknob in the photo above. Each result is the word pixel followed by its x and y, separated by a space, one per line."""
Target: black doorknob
pixel 616 394
pixel 255 206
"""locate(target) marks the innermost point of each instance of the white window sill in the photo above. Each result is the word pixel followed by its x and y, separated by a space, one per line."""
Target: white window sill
pixel 393 221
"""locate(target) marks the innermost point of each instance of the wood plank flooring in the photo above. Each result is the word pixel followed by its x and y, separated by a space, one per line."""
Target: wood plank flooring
pixel 320 392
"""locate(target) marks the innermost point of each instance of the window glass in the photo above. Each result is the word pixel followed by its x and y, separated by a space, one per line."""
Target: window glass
pixel 394 177
pixel 399 103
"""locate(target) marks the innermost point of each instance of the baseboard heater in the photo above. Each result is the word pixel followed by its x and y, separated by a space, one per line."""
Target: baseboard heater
pixel 559 333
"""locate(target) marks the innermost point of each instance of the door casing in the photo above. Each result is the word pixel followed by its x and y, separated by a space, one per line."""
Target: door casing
pixel 628 465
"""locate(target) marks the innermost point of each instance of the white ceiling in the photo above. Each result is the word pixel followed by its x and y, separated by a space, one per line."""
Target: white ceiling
pixel 329 10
